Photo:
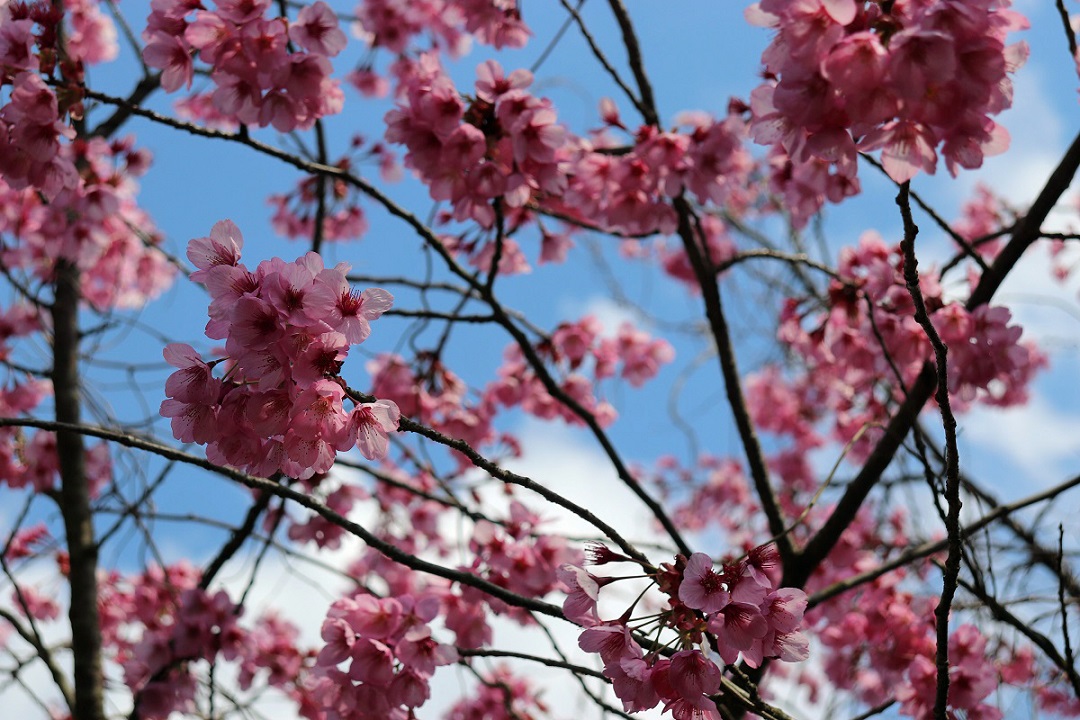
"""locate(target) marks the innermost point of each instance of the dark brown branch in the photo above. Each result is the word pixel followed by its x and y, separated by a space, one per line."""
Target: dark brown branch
pixel 514 479
pixel 255 483
pixel 576 669
pixel 320 190
pixel 790 258
pixel 714 312
pixel 952 464
pixel 1070 659
pixel 967 248
pixel 929 548
pixel 1066 23
pixel 125 108
pixel 876 710
pixel 602 58
pixel 1025 233
pixel 1038 553
pixel 637 65
pixel 74 499
pixel 1004 615
pixel 236 540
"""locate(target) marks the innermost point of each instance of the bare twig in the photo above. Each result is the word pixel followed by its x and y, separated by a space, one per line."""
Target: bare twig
pixel 952 465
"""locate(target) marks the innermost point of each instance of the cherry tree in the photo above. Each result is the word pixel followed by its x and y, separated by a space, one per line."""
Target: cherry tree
pixel 355 368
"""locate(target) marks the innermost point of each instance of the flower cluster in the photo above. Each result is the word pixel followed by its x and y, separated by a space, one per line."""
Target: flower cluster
pixel 846 361
pixel 390 652
pixel 500 695
pixel 99 226
pixel 25 543
pixel 392 24
pixel 91 35
pixel 739 610
pixel 971 679
pixel 34 42
pixel 880 641
pixel 202 626
pixel 30 131
pixel 259 80
pixel 906 78
pixel 630 190
pixel 433 394
pixel 500 148
pixel 577 347
pixel 517 557
pixel 287 329
pixel 160 621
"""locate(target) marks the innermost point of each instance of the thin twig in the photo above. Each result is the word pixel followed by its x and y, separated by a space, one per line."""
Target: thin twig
pixel 929 548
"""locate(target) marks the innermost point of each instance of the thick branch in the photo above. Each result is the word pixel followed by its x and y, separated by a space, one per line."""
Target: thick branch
pixel 1025 233
pixel 714 311
pixel 74 499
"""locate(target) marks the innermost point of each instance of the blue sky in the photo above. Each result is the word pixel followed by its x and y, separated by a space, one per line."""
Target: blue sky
pixel 698 54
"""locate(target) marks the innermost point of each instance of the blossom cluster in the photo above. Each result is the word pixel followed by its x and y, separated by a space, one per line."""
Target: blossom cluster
pixel 450 24
pixel 518 557
pixel 880 641
pixel 160 621
pixel 577 347
pixel 32 121
pixel 739 610
pixel 500 695
pixel 97 224
pixel 629 189
pixel 847 351
pixel 259 79
pixel 500 148
pixel 433 394
pixel 287 329
pixel 390 652
pixel 906 78
pixel 31 154
pixel 500 152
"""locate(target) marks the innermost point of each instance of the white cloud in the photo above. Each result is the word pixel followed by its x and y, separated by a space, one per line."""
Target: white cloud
pixel 1035 438
pixel 567 461
pixel 610 313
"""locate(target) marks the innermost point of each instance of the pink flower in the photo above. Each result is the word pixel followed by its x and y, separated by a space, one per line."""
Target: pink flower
pixel 193 382
pixel 739 627
pixel 906 148
pixel 348 311
pixel 173 57
pixel 371 424
pixel 702 588
pixel 316 30
pixel 611 640
pixel 632 680
pixel 221 248
pixel 692 674
pixel 339 639
pixel 372 662
pixel 580 603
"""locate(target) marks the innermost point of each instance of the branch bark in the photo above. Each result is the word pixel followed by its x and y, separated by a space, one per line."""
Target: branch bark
pixel 74 499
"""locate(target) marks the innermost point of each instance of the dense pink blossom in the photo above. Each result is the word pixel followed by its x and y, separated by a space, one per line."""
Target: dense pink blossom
pixel 906 79
pixel 282 399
